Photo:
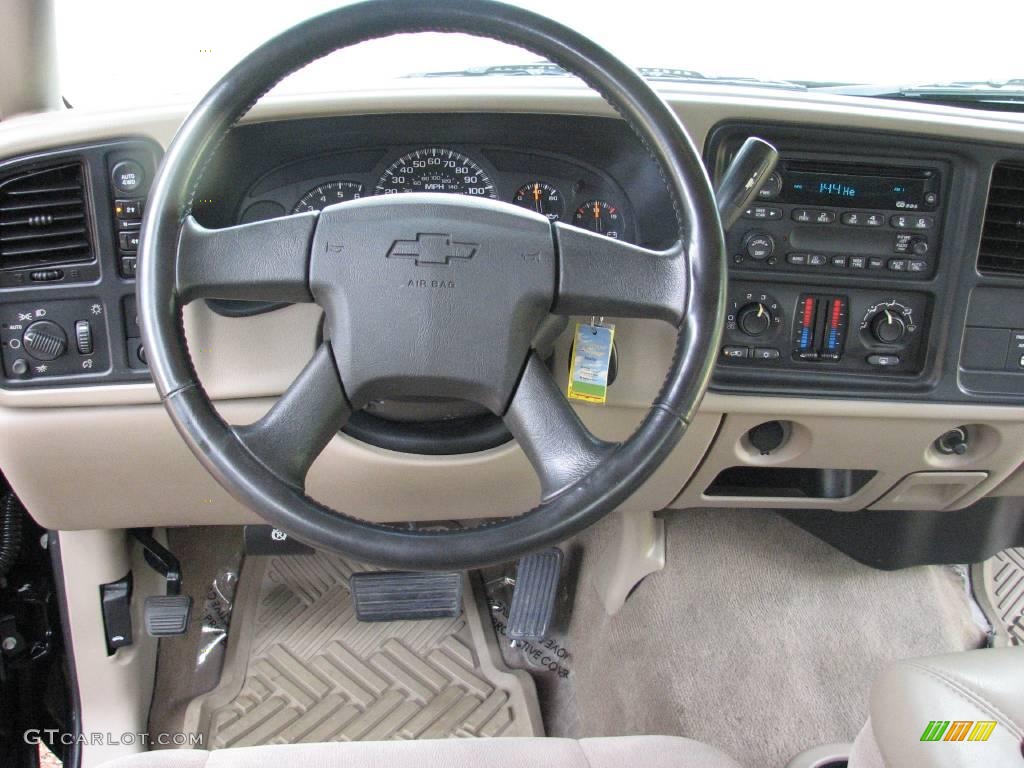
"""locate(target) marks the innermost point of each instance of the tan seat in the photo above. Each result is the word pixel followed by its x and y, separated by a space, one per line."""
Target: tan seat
pixel 958 688
pixel 621 752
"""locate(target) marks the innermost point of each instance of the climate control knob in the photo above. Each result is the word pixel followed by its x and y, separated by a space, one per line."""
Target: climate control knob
pixel 888 327
pixel 45 340
pixel 754 319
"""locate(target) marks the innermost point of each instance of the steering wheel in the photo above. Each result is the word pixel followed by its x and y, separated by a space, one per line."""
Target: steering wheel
pixel 430 295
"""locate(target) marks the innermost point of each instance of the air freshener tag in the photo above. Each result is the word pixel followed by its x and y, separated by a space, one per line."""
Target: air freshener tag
pixel 591 357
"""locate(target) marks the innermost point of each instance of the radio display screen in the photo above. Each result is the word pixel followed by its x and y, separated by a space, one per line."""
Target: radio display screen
pixel 856 191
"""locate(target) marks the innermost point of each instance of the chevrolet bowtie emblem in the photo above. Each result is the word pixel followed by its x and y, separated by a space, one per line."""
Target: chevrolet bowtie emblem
pixel 431 248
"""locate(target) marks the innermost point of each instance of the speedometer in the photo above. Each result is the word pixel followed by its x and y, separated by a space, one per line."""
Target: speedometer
pixel 436 169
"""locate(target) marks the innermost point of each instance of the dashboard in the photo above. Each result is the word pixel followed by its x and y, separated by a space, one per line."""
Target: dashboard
pixel 876 302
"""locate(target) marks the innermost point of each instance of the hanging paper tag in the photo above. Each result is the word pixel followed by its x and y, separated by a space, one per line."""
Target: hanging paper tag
pixel 591 356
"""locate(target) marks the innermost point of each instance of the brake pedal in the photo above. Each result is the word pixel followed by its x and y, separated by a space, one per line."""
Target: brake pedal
pixel 167 615
pixel 399 596
pixel 533 599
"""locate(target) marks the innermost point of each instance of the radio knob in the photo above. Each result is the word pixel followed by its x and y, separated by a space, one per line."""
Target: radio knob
pixel 45 340
pixel 758 245
pixel 888 327
pixel 754 319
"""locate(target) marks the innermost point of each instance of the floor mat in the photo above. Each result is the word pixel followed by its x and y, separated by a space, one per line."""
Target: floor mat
pixel 999 589
pixel 301 668
pixel 756 638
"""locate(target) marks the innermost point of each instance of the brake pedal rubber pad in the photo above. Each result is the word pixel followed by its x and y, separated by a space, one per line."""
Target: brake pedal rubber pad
pixel 167 616
pixel 402 596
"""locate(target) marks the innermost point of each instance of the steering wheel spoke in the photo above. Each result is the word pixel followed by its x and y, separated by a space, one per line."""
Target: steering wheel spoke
pixel 293 433
pixel 262 261
pixel 600 275
pixel 558 444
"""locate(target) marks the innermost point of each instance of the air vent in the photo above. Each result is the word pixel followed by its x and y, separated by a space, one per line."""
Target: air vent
pixel 42 218
pixel 1002 239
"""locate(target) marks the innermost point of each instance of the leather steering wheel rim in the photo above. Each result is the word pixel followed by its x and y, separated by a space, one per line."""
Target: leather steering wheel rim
pixel 263 465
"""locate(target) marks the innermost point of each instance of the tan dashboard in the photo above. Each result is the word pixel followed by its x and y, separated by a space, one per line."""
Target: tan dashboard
pixel 108 456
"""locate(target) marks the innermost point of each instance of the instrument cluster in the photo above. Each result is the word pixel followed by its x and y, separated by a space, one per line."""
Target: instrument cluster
pixel 560 188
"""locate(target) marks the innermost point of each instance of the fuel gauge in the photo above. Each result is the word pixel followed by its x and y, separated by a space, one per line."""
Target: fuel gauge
pixel 541 197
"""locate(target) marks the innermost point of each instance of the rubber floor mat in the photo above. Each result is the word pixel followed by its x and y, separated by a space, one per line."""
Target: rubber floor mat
pixel 301 668
pixel 999 589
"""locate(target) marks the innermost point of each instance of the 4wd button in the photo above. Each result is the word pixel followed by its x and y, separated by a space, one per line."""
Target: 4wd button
pixel 127 177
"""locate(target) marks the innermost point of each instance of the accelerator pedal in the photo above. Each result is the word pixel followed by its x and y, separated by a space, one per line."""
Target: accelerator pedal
pixel 401 596
pixel 533 600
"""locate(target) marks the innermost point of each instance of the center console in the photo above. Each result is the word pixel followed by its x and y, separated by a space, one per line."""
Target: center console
pixel 837 267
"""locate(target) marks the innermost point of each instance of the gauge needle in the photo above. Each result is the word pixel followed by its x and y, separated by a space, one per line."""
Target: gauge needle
pixel 536 198
pixel 597 217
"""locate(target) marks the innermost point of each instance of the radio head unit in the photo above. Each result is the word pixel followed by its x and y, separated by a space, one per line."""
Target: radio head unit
pixel 854 186
pixel 816 215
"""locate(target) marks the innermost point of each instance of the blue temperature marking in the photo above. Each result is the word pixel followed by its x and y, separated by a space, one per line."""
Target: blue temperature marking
pixel 805 337
pixel 832 339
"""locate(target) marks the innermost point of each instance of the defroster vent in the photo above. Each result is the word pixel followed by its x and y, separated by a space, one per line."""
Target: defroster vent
pixel 42 218
pixel 1002 239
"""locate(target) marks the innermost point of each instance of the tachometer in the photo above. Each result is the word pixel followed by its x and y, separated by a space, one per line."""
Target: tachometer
pixel 436 169
pixel 601 217
pixel 330 193
pixel 541 197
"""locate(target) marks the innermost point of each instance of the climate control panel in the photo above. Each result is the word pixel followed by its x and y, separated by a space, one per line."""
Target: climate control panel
pixel 793 327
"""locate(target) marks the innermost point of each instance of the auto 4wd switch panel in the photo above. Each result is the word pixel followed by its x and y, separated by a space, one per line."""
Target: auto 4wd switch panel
pixel 71 221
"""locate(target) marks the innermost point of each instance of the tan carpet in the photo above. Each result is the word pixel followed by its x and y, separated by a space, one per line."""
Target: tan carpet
pixel 757 638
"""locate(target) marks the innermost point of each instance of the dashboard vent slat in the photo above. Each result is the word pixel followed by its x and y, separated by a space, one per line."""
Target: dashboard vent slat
pixel 1002 239
pixel 43 219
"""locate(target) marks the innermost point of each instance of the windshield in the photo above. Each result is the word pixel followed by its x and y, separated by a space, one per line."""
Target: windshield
pixel 118 54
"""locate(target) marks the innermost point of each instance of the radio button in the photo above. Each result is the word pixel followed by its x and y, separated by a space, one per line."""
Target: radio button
pixel 852 218
pixel 883 361
pixel 876 262
pixel 858 262
pixel 874 219
pixel 898 265
pixel 813 216
pixel 839 261
pixel 763 212
pixel 917 265
pixel 816 260
pixel 921 222
pixel 771 188
pixel 797 259
pixel 758 245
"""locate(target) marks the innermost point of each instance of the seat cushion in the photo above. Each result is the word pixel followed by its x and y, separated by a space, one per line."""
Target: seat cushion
pixel 620 752
pixel 926 712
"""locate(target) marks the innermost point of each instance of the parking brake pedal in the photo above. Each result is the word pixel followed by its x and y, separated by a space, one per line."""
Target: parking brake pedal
pixel 533 600
pixel 399 596
pixel 167 615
